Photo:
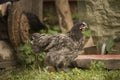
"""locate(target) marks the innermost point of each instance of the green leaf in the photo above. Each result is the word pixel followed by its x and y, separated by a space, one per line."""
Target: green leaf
pixel 87 33
pixel 56 28
pixel 110 43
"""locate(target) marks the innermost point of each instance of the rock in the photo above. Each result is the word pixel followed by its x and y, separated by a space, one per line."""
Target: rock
pixel 110 61
pixel 7 60
pixel 103 17
pixel 6 53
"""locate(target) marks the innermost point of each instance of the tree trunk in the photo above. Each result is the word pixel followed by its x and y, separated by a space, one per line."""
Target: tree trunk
pixel 37 8
pixel 64 15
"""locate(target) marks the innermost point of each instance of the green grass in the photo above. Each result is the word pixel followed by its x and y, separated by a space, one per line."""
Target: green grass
pixel 74 74
pixel 29 59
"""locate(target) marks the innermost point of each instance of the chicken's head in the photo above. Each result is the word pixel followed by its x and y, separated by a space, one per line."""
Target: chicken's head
pixel 83 26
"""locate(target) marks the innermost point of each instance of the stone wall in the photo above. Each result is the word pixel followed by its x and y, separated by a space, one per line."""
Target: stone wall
pixel 102 15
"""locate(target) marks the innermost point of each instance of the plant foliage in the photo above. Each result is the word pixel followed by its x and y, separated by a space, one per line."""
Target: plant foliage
pixel 87 33
pixel 110 43
pixel 27 58
pixel 74 74
pixel 53 30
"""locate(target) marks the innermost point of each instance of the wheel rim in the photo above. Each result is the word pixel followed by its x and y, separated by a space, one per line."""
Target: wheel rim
pixel 18 26
pixel 24 28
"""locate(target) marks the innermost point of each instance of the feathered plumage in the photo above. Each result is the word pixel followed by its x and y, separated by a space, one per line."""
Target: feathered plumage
pixel 61 48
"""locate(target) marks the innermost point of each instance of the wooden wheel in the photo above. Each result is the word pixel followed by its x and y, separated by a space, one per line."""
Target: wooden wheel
pixel 18 26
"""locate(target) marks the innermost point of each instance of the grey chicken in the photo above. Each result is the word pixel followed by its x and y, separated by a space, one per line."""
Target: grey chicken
pixel 60 49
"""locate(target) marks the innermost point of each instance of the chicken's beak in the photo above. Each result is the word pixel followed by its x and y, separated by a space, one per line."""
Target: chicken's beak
pixel 83 27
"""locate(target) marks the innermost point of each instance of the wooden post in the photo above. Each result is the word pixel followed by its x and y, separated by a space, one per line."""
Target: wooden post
pixel 37 8
pixel 64 15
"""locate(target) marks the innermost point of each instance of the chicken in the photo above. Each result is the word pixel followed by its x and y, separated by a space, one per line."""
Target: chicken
pixel 60 49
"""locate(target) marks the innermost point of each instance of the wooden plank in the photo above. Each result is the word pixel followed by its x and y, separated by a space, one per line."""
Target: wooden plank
pixel 90 50
pixel 7 64
pixel 90 47
pixel 110 61
pixel 54 0
pixel 9 59
pixel 6 59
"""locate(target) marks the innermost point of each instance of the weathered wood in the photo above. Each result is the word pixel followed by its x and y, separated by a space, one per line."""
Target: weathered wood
pixel 6 52
pixel 64 15
pixel 15 25
pixel 7 64
pixel 3 29
pixel 90 47
pixel 37 8
pixel 3 8
pixel 34 7
pixel 110 61
pixel 6 55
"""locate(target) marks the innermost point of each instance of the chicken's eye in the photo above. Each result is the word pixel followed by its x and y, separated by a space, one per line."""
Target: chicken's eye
pixel 83 26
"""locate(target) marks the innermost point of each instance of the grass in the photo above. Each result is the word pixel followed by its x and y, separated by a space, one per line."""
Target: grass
pixel 74 74
pixel 28 59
